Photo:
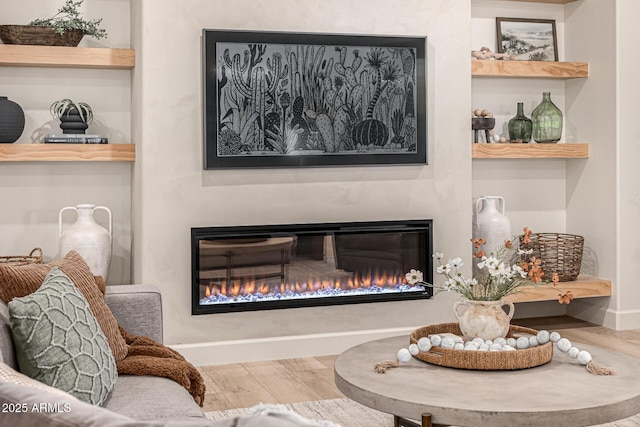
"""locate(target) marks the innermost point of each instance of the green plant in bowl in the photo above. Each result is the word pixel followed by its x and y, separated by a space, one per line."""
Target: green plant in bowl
pixel 64 106
pixel 69 18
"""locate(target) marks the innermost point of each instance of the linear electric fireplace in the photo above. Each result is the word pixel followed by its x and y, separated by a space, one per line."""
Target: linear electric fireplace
pixel 282 266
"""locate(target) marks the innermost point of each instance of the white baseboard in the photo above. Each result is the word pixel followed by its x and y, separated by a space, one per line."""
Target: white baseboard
pixel 601 314
pixel 625 319
pixel 253 350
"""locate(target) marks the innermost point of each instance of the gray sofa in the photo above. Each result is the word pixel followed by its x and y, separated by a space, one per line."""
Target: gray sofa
pixel 135 401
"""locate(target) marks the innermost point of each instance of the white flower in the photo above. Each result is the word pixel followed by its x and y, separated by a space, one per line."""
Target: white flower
pixel 482 263
pixel 438 255
pixel 456 262
pixel 523 252
pixel 492 262
pixel 507 273
pixel 473 282
pixel 450 284
pixel 518 270
pixel 444 269
pixel 497 269
pixel 414 276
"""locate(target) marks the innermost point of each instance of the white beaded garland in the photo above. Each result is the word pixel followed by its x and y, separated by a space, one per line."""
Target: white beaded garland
pixel 573 352
pixel 500 341
pixel 563 345
pixel 413 349
pixel 584 357
pixel 436 340
pixel 404 355
pixel 478 341
pixel 424 344
pixel 447 343
pixel 470 345
pixel 543 337
pixel 522 342
pixel 499 344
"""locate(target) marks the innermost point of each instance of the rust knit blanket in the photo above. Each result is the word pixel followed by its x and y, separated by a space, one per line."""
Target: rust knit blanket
pixel 149 357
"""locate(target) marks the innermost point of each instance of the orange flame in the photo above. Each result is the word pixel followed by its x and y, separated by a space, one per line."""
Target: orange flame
pixel 251 286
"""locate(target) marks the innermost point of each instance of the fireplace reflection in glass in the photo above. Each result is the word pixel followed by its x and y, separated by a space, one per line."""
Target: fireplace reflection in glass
pixel 268 267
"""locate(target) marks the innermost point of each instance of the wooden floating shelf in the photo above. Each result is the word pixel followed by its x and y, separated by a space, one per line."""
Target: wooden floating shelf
pixel 546 1
pixel 529 69
pixel 530 151
pixel 67 152
pixel 583 287
pixel 66 57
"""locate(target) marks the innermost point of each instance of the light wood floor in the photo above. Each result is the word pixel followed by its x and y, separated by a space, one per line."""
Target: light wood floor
pixel 299 380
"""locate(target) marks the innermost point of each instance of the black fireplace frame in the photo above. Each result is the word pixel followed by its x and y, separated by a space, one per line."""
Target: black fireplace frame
pixel 287 230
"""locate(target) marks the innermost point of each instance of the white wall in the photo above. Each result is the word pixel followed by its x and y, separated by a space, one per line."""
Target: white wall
pixel 628 153
pixel 34 193
pixel 592 191
pixel 172 193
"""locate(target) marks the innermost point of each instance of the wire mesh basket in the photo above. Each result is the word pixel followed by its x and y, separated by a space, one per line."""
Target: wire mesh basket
pixel 560 253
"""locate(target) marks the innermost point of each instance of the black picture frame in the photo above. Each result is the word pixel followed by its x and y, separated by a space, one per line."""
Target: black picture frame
pixel 528 39
pixel 340 99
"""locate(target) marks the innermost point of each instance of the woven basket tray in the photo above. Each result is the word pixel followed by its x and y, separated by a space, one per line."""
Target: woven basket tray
pixel 481 360
pixel 35 257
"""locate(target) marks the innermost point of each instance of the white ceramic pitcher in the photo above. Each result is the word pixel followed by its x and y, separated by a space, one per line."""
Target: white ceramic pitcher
pixel 483 319
pixel 91 240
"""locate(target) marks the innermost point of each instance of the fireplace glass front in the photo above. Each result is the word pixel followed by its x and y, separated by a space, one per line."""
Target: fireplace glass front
pixel 282 266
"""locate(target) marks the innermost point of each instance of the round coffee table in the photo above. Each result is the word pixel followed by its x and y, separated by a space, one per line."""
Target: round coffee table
pixel 561 392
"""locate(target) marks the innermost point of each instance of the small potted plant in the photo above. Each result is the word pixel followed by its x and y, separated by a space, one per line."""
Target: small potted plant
pixel 75 117
pixel 65 28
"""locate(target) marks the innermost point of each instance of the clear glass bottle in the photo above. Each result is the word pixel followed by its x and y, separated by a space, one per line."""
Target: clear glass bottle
pixel 547 121
pixel 520 126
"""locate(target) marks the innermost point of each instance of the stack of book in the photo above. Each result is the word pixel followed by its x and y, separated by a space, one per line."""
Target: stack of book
pixel 75 138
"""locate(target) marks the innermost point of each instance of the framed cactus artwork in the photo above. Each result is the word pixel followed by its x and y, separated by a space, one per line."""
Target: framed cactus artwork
pixel 303 100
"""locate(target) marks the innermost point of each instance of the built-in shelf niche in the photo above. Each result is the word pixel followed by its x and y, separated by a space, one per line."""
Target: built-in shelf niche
pixel 67 57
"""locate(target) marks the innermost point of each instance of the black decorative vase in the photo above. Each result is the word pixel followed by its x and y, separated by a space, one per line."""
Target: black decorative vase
pixel 71 122
pixel 11 120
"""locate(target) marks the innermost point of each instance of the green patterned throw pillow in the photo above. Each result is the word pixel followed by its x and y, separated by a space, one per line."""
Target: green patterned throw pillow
pixel 58 340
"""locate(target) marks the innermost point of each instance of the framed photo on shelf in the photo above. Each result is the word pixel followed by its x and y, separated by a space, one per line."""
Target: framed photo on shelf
pixel 277 99
pixel 528 39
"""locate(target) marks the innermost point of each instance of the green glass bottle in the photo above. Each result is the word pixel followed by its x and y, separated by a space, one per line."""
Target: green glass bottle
pixel 520 126
pixel 547 121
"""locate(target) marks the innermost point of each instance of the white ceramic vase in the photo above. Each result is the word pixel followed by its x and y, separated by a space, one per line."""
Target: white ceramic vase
pixel 483 319
pixel 491 224
pixel 91 240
